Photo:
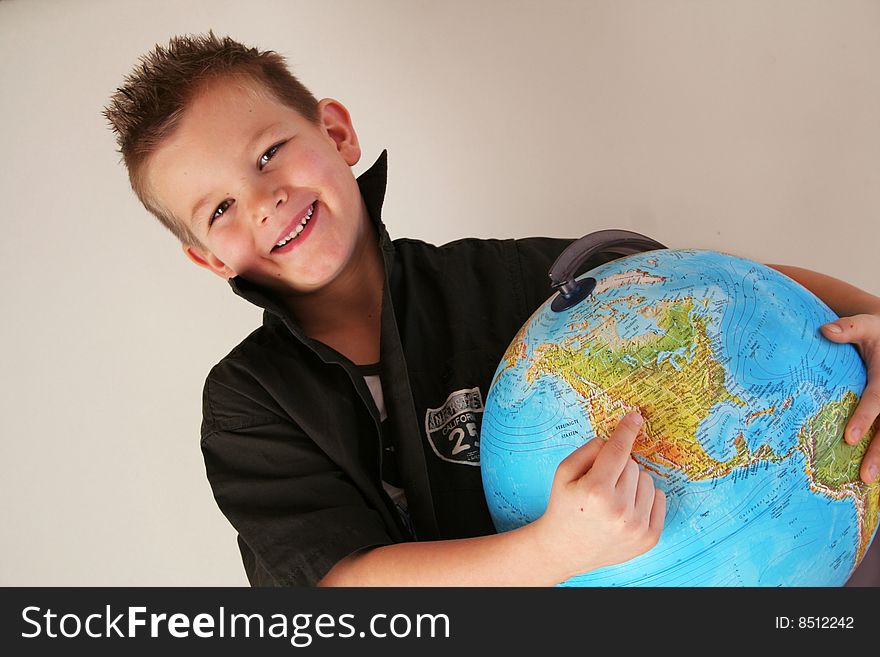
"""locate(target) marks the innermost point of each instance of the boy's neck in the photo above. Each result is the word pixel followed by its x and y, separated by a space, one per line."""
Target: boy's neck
pixel 347 314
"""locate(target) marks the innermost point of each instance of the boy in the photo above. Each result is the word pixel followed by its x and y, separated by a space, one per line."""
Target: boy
pixel 317 431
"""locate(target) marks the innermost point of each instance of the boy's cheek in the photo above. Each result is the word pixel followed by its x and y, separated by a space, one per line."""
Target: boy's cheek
pixel 230 258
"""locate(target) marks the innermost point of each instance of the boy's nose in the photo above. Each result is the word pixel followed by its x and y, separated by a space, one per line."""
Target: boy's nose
pixel 267 204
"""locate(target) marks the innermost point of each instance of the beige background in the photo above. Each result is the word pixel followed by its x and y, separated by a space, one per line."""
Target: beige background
pixel 750 126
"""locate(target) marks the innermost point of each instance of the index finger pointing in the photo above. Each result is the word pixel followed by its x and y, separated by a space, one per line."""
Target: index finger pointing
pixel 615 453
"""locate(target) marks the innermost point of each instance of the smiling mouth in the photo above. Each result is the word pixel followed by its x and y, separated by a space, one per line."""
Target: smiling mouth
pixel 295 233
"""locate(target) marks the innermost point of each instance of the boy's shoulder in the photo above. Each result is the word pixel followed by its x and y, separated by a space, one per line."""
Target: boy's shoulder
pixel 486 264
pixel 237 387
pixel 536 251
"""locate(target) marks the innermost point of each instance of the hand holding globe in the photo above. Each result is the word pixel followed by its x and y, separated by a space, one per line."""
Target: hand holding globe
pixel 862 330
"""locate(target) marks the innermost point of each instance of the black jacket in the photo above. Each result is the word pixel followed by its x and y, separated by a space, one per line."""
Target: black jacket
pixel 291 435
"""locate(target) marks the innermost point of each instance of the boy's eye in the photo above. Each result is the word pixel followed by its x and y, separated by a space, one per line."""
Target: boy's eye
pixel 223 207
pixel 268 155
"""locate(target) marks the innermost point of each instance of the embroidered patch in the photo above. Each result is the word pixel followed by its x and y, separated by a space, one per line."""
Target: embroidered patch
pixel 454 429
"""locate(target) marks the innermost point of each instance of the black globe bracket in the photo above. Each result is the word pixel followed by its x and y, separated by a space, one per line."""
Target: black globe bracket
pixel 617 243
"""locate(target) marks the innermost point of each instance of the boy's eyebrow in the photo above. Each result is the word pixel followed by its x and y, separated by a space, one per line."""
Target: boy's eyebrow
pixel 197 207
pixel 253 142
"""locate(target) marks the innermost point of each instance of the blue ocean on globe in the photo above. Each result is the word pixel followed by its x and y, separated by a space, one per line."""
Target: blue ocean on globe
pixel 744 402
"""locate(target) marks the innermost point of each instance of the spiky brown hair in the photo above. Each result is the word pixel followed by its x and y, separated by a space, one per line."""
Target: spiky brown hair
pixel 148 106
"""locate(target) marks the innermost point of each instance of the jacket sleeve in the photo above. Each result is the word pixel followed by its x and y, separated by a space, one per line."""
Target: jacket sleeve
pixel 295 511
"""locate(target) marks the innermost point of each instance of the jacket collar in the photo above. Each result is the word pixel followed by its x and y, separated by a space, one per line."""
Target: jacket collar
pixel 372 184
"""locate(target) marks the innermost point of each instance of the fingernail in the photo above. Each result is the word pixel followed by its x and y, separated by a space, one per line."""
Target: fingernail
pixel 834 328
pixel 636 419
pixel 872 473
pixel 854 434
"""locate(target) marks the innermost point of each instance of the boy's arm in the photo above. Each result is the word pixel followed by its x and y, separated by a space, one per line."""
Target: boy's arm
pixel 841 297
pixel 603 510
pixel 859 324
pixel 512 558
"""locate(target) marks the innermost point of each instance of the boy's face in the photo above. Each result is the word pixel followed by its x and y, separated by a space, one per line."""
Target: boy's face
pixel 245 172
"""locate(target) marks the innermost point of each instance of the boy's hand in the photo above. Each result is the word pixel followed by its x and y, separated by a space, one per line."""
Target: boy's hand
pixel 864 332
pixel 603 510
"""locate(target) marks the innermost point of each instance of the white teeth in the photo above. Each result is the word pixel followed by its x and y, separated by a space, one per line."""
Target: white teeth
pixel 299 227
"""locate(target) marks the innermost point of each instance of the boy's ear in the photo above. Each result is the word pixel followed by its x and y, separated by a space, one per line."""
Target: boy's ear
pixel 336 122
pixel 208 260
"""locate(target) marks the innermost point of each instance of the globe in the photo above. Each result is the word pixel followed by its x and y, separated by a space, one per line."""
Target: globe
pixel 744 401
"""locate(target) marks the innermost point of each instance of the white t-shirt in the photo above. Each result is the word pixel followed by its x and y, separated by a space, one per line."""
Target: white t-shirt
pixel 398 495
